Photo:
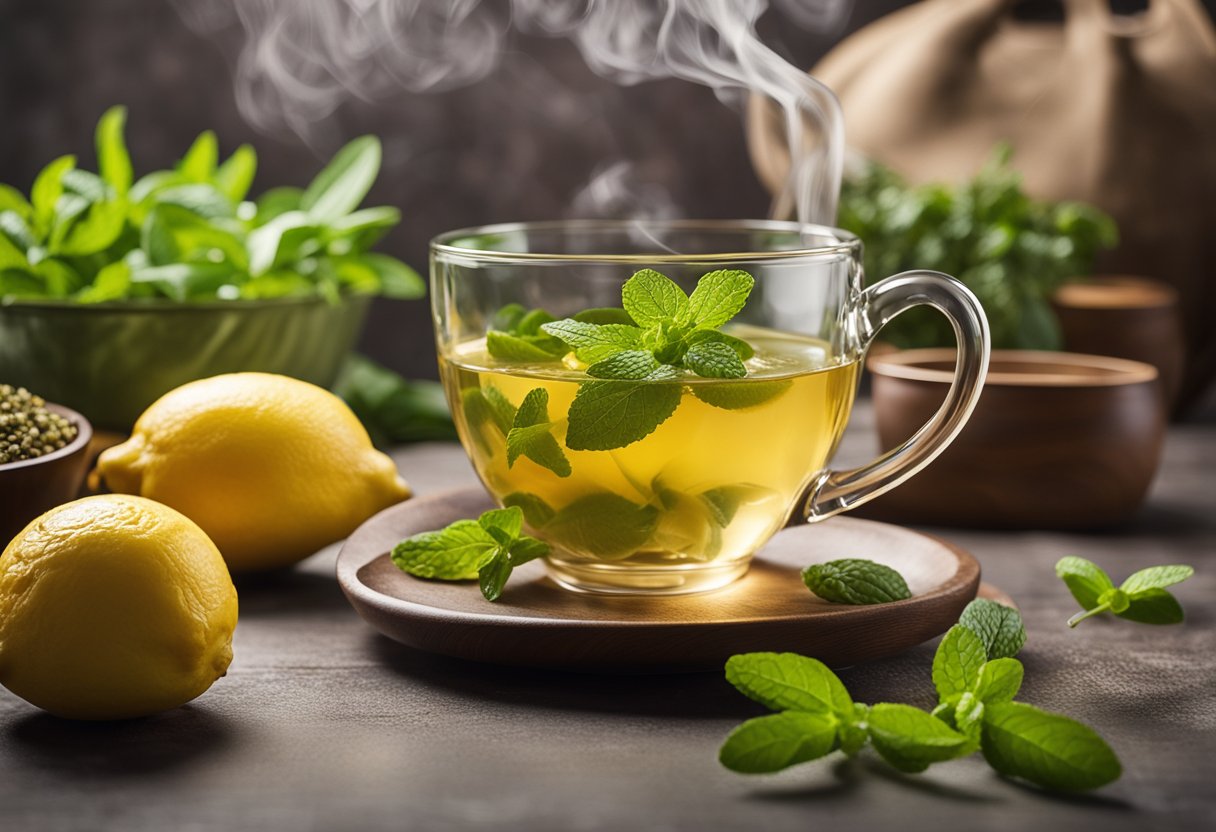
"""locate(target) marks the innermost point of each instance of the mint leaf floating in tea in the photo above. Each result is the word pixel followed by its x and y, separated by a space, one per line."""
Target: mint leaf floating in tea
pixel 531 435
pixel 999 627
pixel 603 524
pixel 613 414
pixel 855 581
pixel 486 549
pixel 516 336
pixel 1142 597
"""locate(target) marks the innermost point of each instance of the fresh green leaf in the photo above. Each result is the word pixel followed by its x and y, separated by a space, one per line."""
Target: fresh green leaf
pixel 603 524
pixel 21 283
pixel 453 554
pixel 527 548
pixel 911 739
pixel 12 200
pixel 278 241
pixel 740 395
pixel 957 662
pixel 183 281
pixel 198 165
pixel 771 743
pixel 60 279
pixel 999 627
pixel 1154 606
pixel 234 177
pixel 855 581
pixel 94 231
pixel 520 348
pixel 112 282
pixel 787 681
pixel 11 257
pixel 605 315
pixel 113 160
pixel 628 364
pixel 277 201
pixel 201 198
pixel 613 414
pixel 1084 579
pixel 714 359
pixel 1047 749
pixel 719 296
pixel 700 336
pixel 15 229
pixel 492 576
pixel 356 231
pixel 1156 577
pixel 536 511
pixel 344 182
pixel 531 435
pixel 594 342
pixel 509 520
pixel 652 299
pixel 48 187
pixel 999 681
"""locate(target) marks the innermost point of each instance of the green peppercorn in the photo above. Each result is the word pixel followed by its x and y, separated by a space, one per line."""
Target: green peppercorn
pixel 27 429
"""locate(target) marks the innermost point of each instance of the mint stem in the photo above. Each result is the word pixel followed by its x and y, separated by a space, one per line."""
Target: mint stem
pixel 1081 616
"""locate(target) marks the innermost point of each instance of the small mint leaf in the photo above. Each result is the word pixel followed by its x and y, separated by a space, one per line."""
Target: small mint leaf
pixel 453 554
pixel 492 577
pixel 770 743
pixel 604 525
pixel 526 549
pixel 522 347
pixel 652 299
pixel 719 296
pixel 999 681
pixel 531 435
pixel 508 520
pixel 508 317
pixel 536 511
pixel 1047 749
pixel 531 322
pixel 699 336
pixel 714 359
pixel 594 342
pixel 1154 606
pixel 1084 579
pixel 613 414
pixel 855 581
pixel 1156 577
pixel 789 682
pixel 998 626
pixel 911 739
pixel 628 364
pixel 957 662
pixel 739 395
pixel 1115 600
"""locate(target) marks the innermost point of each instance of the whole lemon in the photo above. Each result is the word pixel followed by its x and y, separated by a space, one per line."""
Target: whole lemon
pixel 113 607
pixel 272 468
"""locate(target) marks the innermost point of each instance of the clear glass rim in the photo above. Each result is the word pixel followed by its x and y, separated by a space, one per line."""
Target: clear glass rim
pixel 843 241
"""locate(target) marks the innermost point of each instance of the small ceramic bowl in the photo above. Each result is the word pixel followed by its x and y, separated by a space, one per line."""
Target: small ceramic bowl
pixel 29 487
pixel 1057 441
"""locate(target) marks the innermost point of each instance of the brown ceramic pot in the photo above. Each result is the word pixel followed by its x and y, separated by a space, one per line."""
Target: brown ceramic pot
pixel 1057 441
pixel 31 486
pixel 1126 317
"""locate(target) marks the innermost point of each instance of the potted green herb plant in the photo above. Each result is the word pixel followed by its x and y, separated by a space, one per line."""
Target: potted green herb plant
pixel 114 290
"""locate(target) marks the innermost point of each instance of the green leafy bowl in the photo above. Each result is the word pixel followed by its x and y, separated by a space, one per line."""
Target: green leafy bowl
pixel 110 361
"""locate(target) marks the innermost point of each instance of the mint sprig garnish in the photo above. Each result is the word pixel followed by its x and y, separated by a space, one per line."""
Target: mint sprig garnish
pixel 1142 597
pixel 977 712
pixel 486 549
pixel 855 581
pixel 516 335
pixel 531 435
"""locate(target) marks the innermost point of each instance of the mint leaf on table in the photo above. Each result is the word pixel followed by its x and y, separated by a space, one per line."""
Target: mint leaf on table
pixel 531 435
pixel 911 739
pixel 788 681
pixel 999 627
pixel 603 524
pixel 956 664
pixel 855 581
pixel 487 549
pixel 1047 749
pixel 999 681
pixel 1142 597
pixel 770 743
pixel 615 413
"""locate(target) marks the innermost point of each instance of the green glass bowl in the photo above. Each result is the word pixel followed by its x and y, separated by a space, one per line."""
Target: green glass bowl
pixel 110 361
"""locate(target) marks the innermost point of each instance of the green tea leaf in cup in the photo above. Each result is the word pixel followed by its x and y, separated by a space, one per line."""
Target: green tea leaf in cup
pixel 603 524
pixel 855 581
pixel 531 435
pixel 615 413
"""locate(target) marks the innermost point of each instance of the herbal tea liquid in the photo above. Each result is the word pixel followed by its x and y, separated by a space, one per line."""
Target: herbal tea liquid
pixel 707 487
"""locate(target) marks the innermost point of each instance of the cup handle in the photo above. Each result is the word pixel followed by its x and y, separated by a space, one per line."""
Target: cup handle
pixel 837 491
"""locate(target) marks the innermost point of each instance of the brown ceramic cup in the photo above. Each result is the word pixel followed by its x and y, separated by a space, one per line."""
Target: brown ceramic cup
pixel 30 487
pixel 1125 317
pixel 1057 440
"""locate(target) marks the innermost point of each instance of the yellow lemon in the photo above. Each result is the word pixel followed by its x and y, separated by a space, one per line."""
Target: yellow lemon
pixel 113 607
pixel 270 467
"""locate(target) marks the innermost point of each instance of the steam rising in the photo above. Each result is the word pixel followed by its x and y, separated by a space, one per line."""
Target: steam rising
pixel 302 58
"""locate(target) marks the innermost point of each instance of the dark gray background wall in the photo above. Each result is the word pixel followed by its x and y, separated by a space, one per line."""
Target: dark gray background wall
pixel 518 145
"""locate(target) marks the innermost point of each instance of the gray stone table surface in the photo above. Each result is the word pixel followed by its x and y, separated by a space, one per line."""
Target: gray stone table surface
pixel 321 724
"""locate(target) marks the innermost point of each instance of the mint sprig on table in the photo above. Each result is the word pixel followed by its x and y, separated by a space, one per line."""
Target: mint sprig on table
pixel 191 232
pixel 1142 597
pixel 855 581
pixel 486 549
pixel 976 685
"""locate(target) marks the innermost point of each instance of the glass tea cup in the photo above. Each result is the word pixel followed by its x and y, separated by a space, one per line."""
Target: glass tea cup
pixel 670 484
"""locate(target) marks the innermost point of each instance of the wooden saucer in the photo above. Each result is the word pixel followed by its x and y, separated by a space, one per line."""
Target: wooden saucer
pixel 536 623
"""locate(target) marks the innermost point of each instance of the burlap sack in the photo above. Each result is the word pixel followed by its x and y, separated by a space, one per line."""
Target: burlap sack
pixel 1116 111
